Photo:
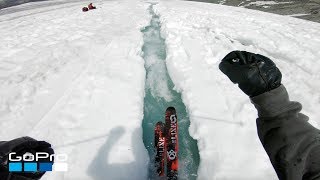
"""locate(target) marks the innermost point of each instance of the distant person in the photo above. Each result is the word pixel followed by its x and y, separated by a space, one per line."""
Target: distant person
pixel 90 6
pixel 21 146
pixel 292 144
pixel 85 9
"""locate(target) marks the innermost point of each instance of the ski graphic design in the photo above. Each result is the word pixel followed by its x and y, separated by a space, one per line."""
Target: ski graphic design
pixel 159 143
pixel 171 129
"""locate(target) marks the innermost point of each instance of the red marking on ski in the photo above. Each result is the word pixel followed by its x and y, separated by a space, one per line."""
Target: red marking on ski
pixel 159 143
pixel 171 129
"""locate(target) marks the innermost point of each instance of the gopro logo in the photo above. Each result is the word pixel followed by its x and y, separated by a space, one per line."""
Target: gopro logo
pixel 33 162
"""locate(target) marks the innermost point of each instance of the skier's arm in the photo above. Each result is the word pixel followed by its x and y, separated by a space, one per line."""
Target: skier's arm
pixel 293 145
pixel 290 141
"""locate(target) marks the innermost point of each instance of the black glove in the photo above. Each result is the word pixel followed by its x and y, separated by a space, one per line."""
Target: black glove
pixel 21 146
pixel 254 73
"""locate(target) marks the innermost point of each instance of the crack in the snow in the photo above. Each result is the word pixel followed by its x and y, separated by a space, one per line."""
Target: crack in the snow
pixel 160 94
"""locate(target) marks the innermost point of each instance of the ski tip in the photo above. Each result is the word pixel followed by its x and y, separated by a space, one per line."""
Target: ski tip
pixel 159 123
pixel 171 108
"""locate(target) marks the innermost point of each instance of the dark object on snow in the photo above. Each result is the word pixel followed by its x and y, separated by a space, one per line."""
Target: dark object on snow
pixel 254 73
pixel 85 9
pixel 21 146
pixel 90 6
pixel 292 144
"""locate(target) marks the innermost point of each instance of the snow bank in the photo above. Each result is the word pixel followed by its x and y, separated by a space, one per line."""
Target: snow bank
pixel 265 4
pixel 297 15
pixel 198 36
pixel 77 80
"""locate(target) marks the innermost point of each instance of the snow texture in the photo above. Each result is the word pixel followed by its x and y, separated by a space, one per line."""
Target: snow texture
pixel 77 80
pixel 265 3
pixel 297 15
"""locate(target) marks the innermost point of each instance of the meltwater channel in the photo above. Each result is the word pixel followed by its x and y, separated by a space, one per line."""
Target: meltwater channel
pixel 159 95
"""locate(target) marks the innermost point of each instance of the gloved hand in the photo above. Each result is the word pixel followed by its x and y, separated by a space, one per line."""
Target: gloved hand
pixel 21 146
pixel 254 73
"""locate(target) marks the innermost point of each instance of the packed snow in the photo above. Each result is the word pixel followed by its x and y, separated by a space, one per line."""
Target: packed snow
pixel 77 80
pixel 297 15
pixel 265 4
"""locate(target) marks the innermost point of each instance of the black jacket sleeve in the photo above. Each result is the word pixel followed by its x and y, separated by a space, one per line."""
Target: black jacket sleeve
pixel 292 144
